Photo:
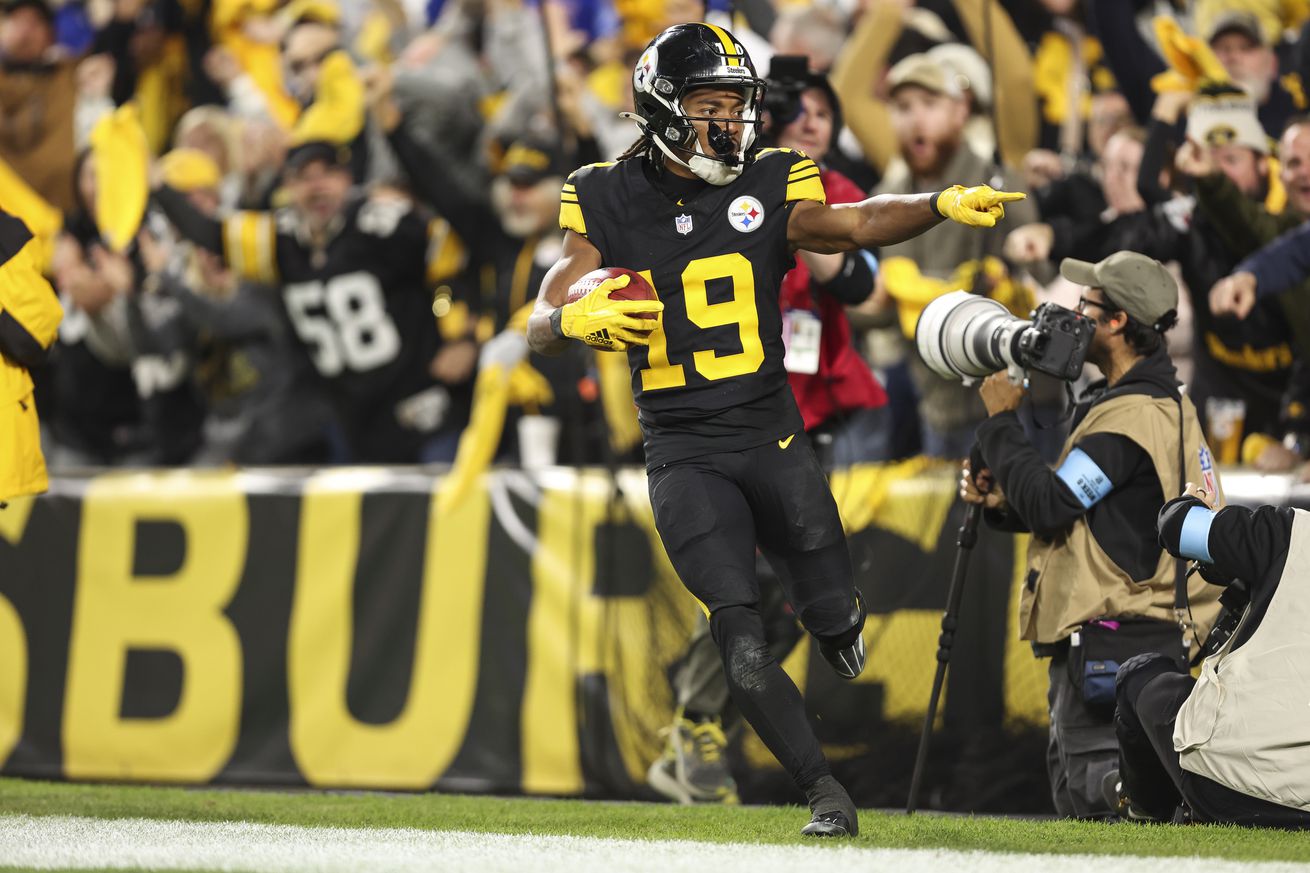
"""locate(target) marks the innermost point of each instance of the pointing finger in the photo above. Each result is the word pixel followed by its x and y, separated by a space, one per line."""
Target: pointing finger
pixel 1009 196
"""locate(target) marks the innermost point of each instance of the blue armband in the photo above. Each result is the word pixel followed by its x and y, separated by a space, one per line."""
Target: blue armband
pixel 869 258
pixel 1194 539
pixel 1086 480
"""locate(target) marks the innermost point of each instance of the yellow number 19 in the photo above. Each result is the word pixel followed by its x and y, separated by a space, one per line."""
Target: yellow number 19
pixel 740 310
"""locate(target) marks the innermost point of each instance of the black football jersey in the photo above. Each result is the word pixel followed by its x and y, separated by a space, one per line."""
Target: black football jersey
pixel 362 309
pixel 712 379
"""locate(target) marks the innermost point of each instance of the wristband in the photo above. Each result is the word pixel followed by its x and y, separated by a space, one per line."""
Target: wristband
pixel 1194 538
pixel 557 323
pixel 932 204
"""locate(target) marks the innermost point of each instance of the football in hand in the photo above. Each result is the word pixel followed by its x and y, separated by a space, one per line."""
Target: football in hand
pixel 636 289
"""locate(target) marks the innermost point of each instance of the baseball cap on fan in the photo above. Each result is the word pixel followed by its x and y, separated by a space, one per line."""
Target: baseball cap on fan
pixel 1138 285
pixel 1237 21
pixel 923 72
pixel 530 160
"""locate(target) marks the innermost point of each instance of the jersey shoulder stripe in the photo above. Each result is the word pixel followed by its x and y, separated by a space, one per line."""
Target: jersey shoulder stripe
pixel 571 216
pixel 250 246
pixel 803 182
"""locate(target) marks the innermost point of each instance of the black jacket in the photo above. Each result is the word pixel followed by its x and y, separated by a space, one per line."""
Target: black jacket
pixel 1040 501
pixel 1246 544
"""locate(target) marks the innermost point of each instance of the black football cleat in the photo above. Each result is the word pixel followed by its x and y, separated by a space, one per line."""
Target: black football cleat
pixel 847 661
pixel 832 811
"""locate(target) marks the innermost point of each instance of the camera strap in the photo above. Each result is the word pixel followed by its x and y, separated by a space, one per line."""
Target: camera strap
pixel 1182 608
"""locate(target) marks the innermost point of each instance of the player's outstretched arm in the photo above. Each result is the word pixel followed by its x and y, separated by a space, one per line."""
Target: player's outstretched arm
pixel 578 259
pixel 887 219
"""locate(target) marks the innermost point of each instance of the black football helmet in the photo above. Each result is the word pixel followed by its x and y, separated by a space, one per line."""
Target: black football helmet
pixel 681 59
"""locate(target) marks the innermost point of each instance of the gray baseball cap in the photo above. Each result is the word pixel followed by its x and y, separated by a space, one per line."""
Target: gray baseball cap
pixel 924 72
pixel 1139 285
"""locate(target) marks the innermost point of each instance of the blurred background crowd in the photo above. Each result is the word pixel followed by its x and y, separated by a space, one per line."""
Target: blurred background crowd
pixel 305 232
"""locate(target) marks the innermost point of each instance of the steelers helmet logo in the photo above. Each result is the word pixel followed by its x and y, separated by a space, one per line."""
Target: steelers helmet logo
pixel 1221 135
pixel 746 214
pixel 644 72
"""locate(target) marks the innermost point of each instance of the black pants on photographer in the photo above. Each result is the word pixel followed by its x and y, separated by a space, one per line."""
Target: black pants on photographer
pixel 1082 752
pixel 1150 692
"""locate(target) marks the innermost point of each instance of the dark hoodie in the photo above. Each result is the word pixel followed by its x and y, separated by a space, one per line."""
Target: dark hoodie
pixel 1123 521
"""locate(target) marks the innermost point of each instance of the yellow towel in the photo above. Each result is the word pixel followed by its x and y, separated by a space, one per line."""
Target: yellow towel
pixel 616 401
pixel 912 291
pixel 337 113
pixel 122 161
pixel 1191 62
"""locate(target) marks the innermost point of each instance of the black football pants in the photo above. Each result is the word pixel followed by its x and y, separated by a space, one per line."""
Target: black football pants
pixel 711 513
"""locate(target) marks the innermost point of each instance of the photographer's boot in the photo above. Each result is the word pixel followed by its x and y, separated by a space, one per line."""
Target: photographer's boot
pixel 832 811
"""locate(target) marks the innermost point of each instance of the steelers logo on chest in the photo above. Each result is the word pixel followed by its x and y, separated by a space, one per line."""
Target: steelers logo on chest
pixel 746 214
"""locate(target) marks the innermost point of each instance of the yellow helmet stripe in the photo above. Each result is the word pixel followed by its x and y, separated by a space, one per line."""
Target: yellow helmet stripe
pixel 728 48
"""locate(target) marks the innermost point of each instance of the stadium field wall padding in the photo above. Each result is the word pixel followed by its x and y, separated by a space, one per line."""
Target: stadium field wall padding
pixel 336 629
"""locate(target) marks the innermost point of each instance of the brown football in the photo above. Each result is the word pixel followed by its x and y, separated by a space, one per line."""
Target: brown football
pixel 637 288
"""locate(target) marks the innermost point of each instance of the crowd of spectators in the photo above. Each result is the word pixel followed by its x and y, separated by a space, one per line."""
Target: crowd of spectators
pixel 169 155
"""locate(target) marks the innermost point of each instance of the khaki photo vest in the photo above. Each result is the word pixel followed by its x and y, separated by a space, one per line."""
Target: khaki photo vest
pixel 1246 724
pixel 1071 580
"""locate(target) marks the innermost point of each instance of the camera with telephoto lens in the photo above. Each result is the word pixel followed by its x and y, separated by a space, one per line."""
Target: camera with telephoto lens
pixel 965 336
pixel 789 76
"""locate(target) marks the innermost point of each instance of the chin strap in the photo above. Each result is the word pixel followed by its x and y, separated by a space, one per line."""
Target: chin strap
pixel 712 170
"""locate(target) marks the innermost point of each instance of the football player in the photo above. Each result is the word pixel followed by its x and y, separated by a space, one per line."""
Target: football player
pixel 354 274
pixel 842 406
pixel 712 223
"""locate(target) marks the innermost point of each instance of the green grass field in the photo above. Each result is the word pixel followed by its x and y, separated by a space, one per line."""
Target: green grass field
pixel 758 825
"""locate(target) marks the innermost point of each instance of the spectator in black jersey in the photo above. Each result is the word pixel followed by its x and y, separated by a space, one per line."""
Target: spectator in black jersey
pixel 1233 745
pixel 1088 563
pixel 197 329
pixel 355 273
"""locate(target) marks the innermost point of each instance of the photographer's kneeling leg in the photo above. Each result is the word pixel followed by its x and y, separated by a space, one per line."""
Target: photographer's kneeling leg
pixel 1149 691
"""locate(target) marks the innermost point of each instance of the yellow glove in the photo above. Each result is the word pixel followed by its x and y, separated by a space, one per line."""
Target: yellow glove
pixel 979 206
pixel 609 325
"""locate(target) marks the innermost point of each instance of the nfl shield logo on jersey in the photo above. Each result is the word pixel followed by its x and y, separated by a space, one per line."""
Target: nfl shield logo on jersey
pixel 683 224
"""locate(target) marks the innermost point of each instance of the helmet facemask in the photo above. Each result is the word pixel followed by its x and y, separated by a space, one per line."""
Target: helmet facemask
pixel 725 161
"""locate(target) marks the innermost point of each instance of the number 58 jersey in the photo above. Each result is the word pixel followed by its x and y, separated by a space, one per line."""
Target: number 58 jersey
pixel 712 378
pixel 361 309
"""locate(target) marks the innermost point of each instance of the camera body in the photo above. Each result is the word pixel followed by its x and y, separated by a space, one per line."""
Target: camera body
pixel 965 336
pixel 789 76
pixel 1056 342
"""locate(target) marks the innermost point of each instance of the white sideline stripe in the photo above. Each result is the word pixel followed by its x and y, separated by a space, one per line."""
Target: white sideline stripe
pixel 52 842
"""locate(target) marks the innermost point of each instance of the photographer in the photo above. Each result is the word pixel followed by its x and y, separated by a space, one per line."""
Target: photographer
pixel 1231 746
pixel 1097 591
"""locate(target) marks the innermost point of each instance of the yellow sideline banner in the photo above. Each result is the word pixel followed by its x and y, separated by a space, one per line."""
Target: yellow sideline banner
pixel 339 629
